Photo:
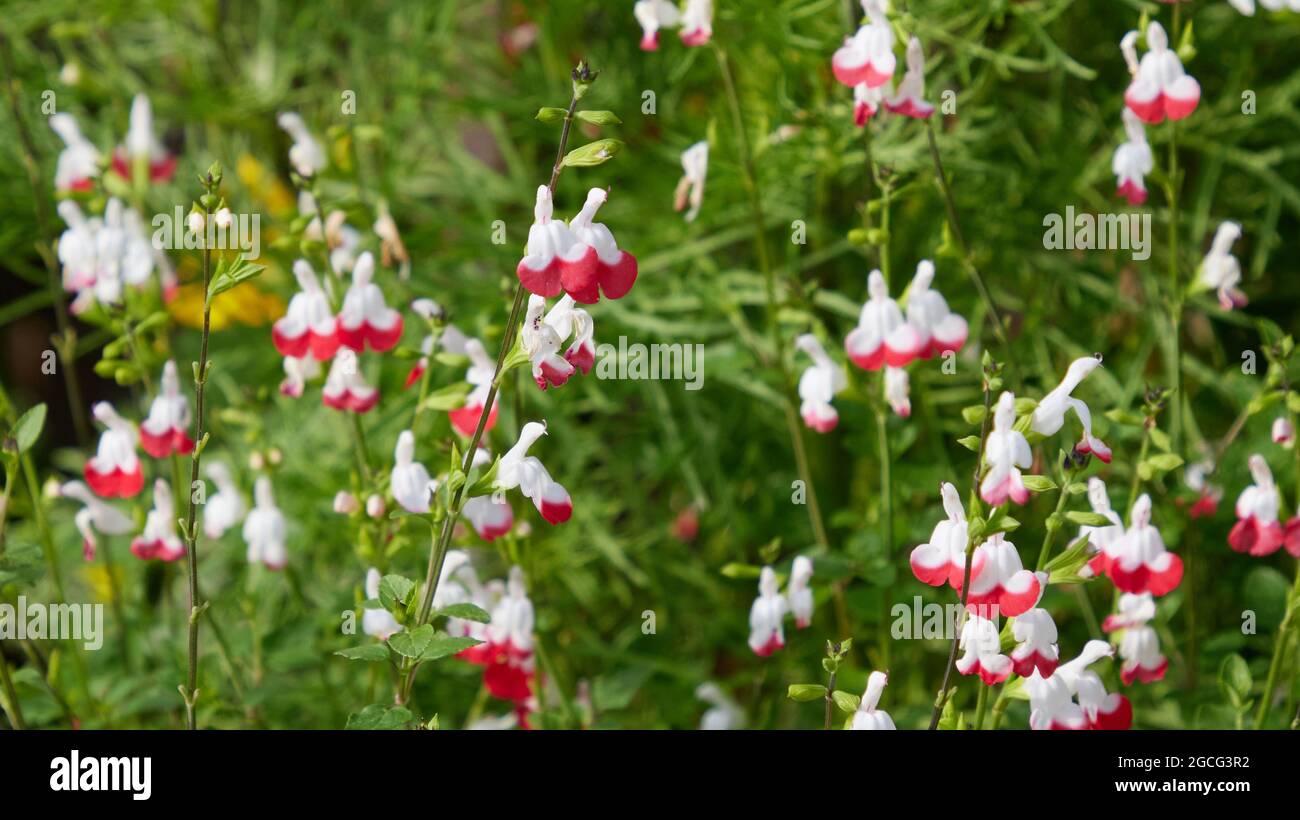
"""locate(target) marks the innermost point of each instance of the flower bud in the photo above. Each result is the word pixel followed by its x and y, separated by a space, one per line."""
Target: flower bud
pixel 223 218
pixel 375 506
pixel 345 503
pixel 195 222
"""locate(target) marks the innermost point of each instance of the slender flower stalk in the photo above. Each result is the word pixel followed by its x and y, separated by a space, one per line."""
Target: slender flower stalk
pixel 942 697
pixel 189 691
pixel 582 77
pixel 65 340
pixel 13 709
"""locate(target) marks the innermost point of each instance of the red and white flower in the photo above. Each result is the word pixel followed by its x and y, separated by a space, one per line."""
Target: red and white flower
pixel 1247 7
pixel 305 155
pixel 379 622
pixel 159 539
pixel 297 372
pixel 309 327
pixel 554 254
pixel 697 22
pixel 652 16
pixel 1139 562
pixel 798 594
pixel 1207 495
pixel 345 387
pixel 982 651
pixel 1220 271
pixel 897 389
pixel 767 616
pixel 614 271
pixel 909 98
pixel 1051 700
pixel 366 319
pixel 690 188
pixel 1006 453
pixel 1049 415
pixel 1036 649
pixel 510 670
pixel 114 471
pixel 866 102
pixel 1160 87
pixel 942 560
pixel 264 528
pixel 225 508
pixel 78 165
pixel 545 332
pixel 94 517
pixel 1132 161
pixel 1283 432
pixel 818 386
pixel 142 147
pixel 491 517
pixel 409 481
pixel 1139 646
pixel 518 469
pixel 1100 539
pixel 882 336
pixel 940 329
pixel 868 56
pixel 480 373
pixel 1257 531
pixel 165 430
pixel 868 717
pixel 998 579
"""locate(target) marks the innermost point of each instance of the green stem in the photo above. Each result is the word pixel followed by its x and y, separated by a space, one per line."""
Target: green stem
pixel 942 697
pixel 196 606
pixel 1053 523
pixel 1275 665
pixel 12 708
pixel 981 705
pixel 886 519
pixel 1136 482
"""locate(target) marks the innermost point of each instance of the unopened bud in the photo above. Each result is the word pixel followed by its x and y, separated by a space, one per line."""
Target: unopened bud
pixel 375 506
pixel 345 503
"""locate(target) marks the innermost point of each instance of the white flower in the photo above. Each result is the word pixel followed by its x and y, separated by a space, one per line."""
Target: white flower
pixel 1132 161
pixel 909 98
pixel 95 516
pixel 695 169
pixel 159 539
pixel 767 616
pixel 1006 452
pixel 409 481
pixel 868 717
pixel 724 714
pixel 798 595
pixel 1049 415
pixel 518 469
pixel 264 528
pixel 1220 270
pixel 306 155
pixel 78 164
pixel 818 386
pixel 226 507
pixel 897 388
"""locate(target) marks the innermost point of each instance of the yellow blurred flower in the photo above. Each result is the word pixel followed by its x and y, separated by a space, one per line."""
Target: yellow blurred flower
pixel 265 188
pixel 246 304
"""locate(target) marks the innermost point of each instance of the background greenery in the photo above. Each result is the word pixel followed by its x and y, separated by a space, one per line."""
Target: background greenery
pixel 444 131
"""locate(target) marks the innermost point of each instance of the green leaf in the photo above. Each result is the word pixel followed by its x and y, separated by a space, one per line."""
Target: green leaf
pixel 971 443
pixel 468 612
pixel 369 652
pixel 1235 678
pixel 485 483
pixel 804 692
pixel 1088 519
pixel 28 427
pixel 599 117
pixel 736 570
pixel 380 716
pixel 1127 417
pixel 1038 483
pixel 395 592
pixel 443 645
pixel 973 414
pixel 21 564
pixel 1025 406
pixel 413 642
pixel 593 153
pixel 232 274
pixel 1164 462
pixel 1064 568
pixel 1160 439
pixel 550 116
pixel 846 701
pixel 447 398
